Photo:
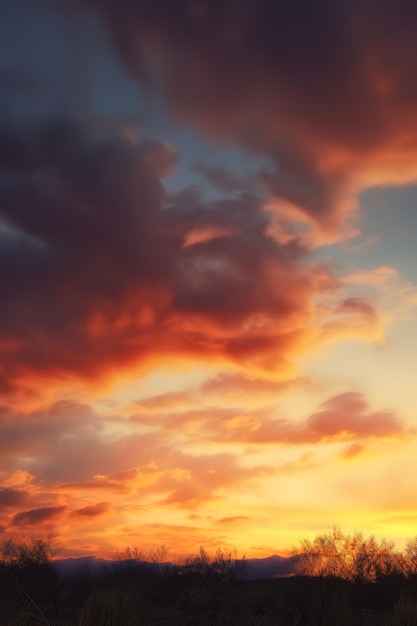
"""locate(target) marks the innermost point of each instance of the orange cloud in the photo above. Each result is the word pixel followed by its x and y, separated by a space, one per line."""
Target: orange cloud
pixel 102 492
pixel 64 450
pixel 92 510
pixel 342 417
pixel 38 517
pixel 233 520
pixel 352 451
pixel 347 415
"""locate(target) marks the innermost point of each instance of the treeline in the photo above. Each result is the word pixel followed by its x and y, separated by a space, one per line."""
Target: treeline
pixel 341 580
pixel 223 565
pixel 135 588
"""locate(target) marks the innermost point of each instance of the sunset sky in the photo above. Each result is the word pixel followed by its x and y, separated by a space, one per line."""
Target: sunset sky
pixel 208 272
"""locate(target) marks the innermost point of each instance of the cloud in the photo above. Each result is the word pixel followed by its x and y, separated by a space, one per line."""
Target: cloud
pixel 226 384
pixel 325 90
pixel 348 415
pixel 212 396
pixel 160 157
pixel 343 417
pixel 72 460
pixel 41 440
pixel 17 479
pixel 224 179
pixel 118 482
pixel 182 479
pixel 99 279
pixel 357 305
pixel 233 520
pixel 10 497
pixel 38 516
pixel 79 473
pixel 396 297
pixel 92 510
pixel 352 451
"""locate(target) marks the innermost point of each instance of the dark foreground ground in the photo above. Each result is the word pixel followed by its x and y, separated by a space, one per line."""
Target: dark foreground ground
pixel 126 596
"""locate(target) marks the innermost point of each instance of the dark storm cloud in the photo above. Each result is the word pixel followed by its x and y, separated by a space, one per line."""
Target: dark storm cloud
pixel 325 88
pixel 99 267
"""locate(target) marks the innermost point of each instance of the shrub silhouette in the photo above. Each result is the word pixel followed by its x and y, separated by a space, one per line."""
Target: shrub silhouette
pixel 223 566
pixel 352 557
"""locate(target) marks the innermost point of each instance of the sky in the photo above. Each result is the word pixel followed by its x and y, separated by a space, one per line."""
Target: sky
pixel 208 277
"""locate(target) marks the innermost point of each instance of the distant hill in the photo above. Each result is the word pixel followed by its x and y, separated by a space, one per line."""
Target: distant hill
pixel 270 567
pixel 255 569
pixel 87 565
